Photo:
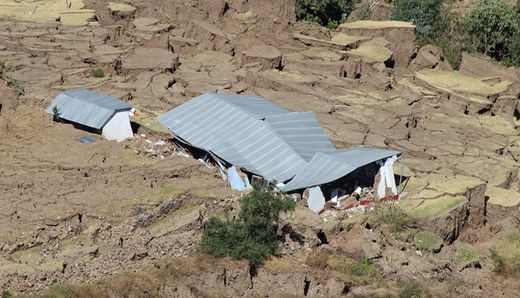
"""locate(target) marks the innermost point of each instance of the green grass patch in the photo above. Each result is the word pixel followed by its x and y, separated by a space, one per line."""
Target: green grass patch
pixel 434 208
pixel 466 253
pixel 428 242
pixel 28 254
pixel 363 271
pixel 506 255
pixel 414 290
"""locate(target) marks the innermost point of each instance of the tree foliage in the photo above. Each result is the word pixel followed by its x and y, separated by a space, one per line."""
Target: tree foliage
pixel 493 26
pixel 427 15
pixel 251 236
pixel 328 13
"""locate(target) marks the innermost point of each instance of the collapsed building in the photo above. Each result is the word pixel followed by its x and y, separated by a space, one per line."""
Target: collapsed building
pixel 288 148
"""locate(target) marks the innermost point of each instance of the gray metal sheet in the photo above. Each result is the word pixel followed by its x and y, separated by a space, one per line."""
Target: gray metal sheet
pixel 216 123
pixel 87 108
pixel 303 132
pixel 325 168
pixel 321 169
pixel 360 156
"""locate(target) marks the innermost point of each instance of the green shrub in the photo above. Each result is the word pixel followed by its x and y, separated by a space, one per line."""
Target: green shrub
pixel 56 114
pixel 413 290
pixel 427 15
pixel 98 72
pixel 328 13
pixel 492 26
pixel 252 236
pixel 6 294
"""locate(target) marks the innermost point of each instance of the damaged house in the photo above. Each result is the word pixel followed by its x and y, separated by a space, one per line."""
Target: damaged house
pixel 95 112
pixel 268 142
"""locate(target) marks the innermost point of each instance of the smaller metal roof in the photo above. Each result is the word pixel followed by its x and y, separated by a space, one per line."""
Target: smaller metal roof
pixel 87 108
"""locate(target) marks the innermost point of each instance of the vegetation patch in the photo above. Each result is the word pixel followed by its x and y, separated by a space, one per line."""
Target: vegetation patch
pixel 98 72
pixel 466 253
pixel 506 255
pixel 363 271
pixel 251 236
pixel 328 13
pixel 11 82
pixel 492 27
pixel 428 242
pixel 414 290
pixel 393 216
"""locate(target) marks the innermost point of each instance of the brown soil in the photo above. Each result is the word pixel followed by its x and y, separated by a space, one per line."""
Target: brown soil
pixel 73 212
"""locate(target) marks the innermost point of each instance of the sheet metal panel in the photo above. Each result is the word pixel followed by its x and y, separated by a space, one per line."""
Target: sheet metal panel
pixel 87 108
pixel 303 132
pixel 325 168
pixel 320 170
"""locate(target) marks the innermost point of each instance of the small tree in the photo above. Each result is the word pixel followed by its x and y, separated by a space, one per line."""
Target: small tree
pixel 56 114
pixel 427 15
pixel 492 26
pixel 328 13
pixel 252 236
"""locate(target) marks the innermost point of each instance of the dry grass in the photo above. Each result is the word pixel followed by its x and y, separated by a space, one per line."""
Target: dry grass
pixel 23 124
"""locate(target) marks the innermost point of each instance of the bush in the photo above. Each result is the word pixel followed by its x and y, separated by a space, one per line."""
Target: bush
pixel 252 236
pixel 427 15
pixel 393 216
pixel 98 72
pixel 493 26
pixel 6 294
pixel 328 13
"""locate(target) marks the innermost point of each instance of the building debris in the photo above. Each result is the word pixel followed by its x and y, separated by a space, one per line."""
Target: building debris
pixel 288 148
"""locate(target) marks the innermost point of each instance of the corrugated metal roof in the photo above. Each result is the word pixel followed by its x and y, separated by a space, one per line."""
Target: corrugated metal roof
pixel 360 156
pixel 303 132
pixel 229 127
pixel 86 107
pixel 325 168
pixel 286 145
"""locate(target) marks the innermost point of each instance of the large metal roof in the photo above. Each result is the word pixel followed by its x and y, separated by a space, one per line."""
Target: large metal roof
pixel 87 108
pixel 230 127
pixel 257 135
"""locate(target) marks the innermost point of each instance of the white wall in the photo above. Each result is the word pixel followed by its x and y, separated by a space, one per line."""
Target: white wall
pixel 118 128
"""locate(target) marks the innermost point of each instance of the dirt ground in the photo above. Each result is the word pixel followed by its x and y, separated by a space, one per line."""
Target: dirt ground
pixel 74 212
